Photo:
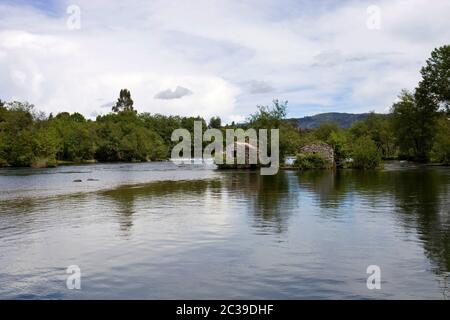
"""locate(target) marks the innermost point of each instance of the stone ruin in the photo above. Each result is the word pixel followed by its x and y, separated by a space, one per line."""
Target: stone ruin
pixel 322 149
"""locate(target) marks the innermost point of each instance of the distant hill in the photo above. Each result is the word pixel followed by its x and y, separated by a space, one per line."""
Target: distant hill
pixel 344 120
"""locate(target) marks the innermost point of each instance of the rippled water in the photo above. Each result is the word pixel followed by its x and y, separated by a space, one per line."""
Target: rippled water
pixel 156 230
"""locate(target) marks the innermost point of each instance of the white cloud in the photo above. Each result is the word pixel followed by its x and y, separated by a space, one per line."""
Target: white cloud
pixel 232 55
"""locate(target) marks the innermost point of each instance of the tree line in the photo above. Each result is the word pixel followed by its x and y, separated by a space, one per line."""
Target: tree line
pixel 29 138
pixel 417 128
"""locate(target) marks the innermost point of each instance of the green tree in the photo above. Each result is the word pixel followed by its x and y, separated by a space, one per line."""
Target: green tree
pixel 162 125
pixel 290 141
pixel 3 149
pixel 141 144
pixel 434 88
pixel 124 103
pixel 16 133
pixel 45 147
pixel 19 116
pixel 324 131
pixel 441 146
pixel 78 137
pixel 20 152
pixel 109 136
pixel 365 154
pixel 125 137
pixel 379 128
pixel 269 117
pixel 339 141
pixel 414 126
pixel 77 117
pixel 3 135
pixel 215 123
pixel 274 118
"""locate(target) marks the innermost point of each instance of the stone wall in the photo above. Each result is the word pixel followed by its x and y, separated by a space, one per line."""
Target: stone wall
pixel 319 148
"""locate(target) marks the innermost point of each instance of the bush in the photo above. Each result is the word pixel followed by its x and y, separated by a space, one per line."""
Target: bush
pixel 40 162
pixel 306 161
pixel 20 153
pixel 3 163
pixel 338 140
pixel 3 149
pixel 365 154
pixel 441 146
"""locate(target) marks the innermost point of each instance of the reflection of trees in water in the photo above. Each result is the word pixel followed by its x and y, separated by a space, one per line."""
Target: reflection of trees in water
pixel 124 198
pixel 27 214
pixel 268 198
pixel 326 185
pixel 19 214
pixel 423 201
pixel 419 196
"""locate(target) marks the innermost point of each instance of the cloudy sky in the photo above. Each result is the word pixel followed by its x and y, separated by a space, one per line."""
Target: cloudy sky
pixel 213 57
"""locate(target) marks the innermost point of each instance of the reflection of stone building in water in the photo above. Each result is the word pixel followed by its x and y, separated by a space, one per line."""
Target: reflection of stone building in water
pixel 267 198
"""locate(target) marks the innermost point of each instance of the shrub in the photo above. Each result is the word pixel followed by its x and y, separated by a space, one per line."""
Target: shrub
pixel 338 140
pixel 306 161
pixel 40 162
pixel 3 149
pixel 441 146
pixel 365 154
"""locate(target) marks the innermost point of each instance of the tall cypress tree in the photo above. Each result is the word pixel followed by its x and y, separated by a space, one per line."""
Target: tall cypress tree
pixel 124 103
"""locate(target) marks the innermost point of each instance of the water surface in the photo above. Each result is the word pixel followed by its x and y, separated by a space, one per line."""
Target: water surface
pixel 159 231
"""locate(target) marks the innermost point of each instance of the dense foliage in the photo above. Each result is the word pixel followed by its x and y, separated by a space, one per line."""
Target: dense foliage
pixel 27 138
pixel 311 161
pixel 365 153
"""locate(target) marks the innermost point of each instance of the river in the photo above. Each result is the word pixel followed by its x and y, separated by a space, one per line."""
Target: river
pixel 160 231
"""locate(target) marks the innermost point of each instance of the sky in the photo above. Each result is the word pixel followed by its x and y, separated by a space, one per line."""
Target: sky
pixel 216 57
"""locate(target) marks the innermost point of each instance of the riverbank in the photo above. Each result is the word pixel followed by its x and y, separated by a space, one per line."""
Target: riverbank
pixel 186 163
pixel 45 165
pixel 384 163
